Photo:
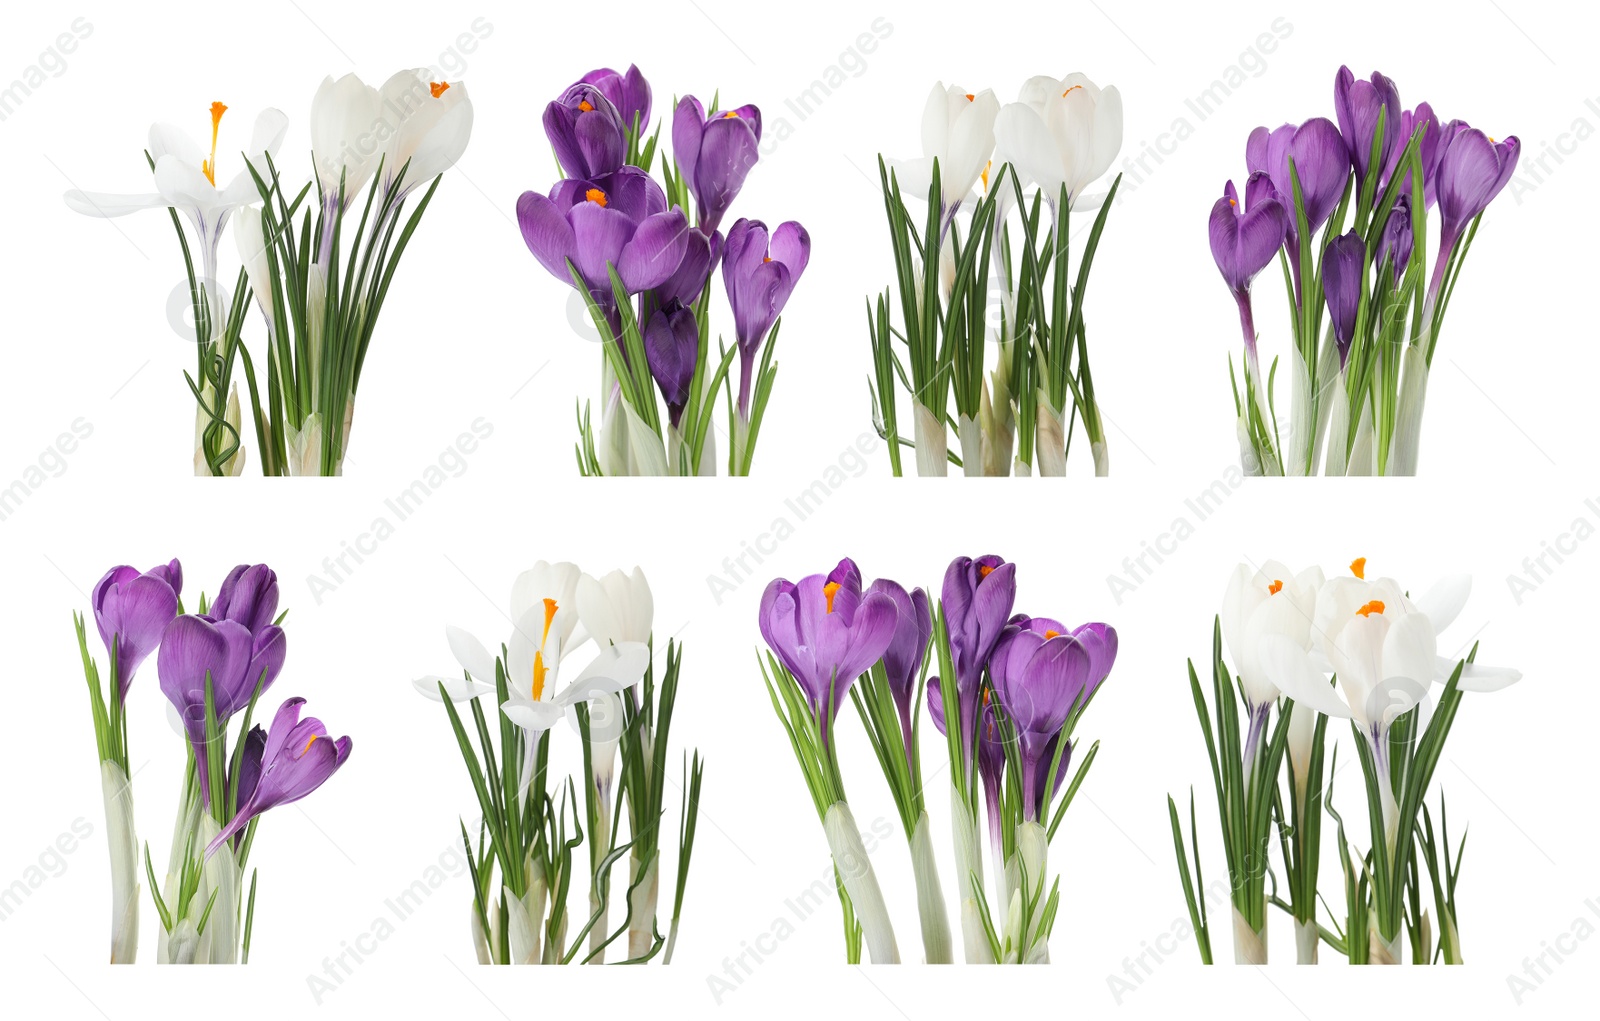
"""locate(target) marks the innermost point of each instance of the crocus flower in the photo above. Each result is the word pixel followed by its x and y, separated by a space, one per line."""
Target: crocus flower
pixel 629 93
pixel 249 595
pixel 1044 674
pixel 1060 133
pixel 714 155
pixel 826 632
pixel 344 150
pixel 616 607
pixel 1263 602
pixel 976 601
pixel 1411 121
pixel 1320 162
pixel 1356 103
pixel 671 347
pixel 902 660
pixel 131 610
pixel 760 273
pixel 1342 265
pixel 186 180
pixel 1243 241
pixel 1395 243
pixel 297 758
pixel 194 647
pixel 1472 169
pixel 620 220
pixel 958 133
pixel 587 132
pixel 430 124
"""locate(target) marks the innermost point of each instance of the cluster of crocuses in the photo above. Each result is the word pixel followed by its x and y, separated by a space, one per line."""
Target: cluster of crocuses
pixel 1042 152
pixel 213 667
pixel 628 246
pixel 1357 385
pixel 531 829
pixel 1008 696
pixel 1306 649
pixel 320 287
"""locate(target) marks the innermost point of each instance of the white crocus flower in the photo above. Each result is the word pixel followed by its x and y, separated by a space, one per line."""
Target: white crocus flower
pixel 616 608
pixel 426 125
pixel 345 142
pixel 958 131
pixel 186 180
pixel 1263 601
pixel 1061 133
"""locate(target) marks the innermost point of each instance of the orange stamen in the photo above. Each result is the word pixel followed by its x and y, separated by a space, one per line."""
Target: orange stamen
pixel 586 106
pixel 730 113
pixel 1070 91
pixel 1358 567
pixel 1275 587
pixel 549 615
pixel 437 88
pixel 1376 606
pixel 209 167
pixel 1051 634
pixel 829 591
pixel 984 570
pixel 971 97
pixel 985 175
pixel 1231 202
pixel 309 743
pixel 596 196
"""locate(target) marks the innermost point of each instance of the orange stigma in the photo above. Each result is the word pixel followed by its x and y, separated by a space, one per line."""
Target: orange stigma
pixel 437 88
pixel 209 167
pixel 1358 567
pixel 1051 634
pixel 766 258
pixel 1067 93
pixel 539 669
pixel 549 615
pixel 730 113
pixel 971 97
pixel 984 570
pixel 1275 587
pixel 1232 202
pixel 829 591
pixel 586 106
pixel 596 196
pixel 1376 606
pixel 309 743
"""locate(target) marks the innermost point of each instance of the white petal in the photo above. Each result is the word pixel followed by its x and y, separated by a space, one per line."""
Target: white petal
pixel 94 203
pixel 1478 676
pixel 614 668
pixel 170 140
pixel 1444 601
pixel 458 688
pixel 1289 668
pixel 470 653
pixel 534 717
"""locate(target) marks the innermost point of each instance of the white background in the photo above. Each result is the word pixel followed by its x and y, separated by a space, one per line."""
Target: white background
pixel 476 329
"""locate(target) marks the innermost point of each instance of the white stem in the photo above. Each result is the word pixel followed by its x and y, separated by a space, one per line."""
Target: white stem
pixel 971 435
pixel 932 442
pixel 741 442
pixel 855 869
pixel 1033 848
pixel 1102 459
pixel 480 939
pixel 936 946
pixel 1249 946
pixel 969 865
pixel 1408 416
pixel 1338 431
pixel 602 840
pixel 1306 940
pixel 641 929
pixel 124 846
pixel 1385 951
pixel 1050 440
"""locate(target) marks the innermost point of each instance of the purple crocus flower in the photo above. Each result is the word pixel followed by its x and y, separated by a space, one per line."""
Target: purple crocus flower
pixel 297 758
pixel 1472 168
pixel 249 595
pixel 132 610
pixel 629 93
pixel 1243 241
pixel 194 646
pixel 902 661
pixel 1320 161
pixel 1044 675
pixel 991 750
pixel 619 220
pixel 760 272
pixel 714 155
pixel 976 600
pixel 1423 119
pixel 826 633
pixel 1396 241
pixel 1356 103
pixel 1341 287
pixel 586 131
pixel 671 348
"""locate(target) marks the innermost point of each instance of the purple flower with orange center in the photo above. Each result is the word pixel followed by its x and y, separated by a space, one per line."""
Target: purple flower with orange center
pixel 131 610
pixel 715 154
pixel 296 758
pixel 976 600
pixel 587 132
